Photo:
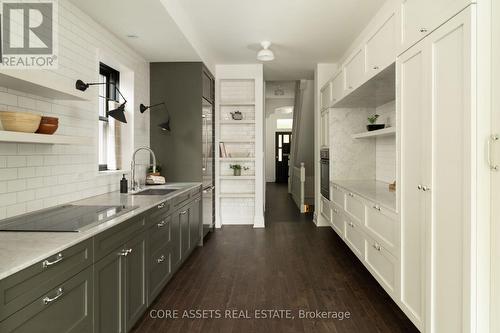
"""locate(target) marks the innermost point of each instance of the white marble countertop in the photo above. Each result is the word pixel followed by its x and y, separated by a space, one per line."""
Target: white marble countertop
pixel 19 250
pixel 372 190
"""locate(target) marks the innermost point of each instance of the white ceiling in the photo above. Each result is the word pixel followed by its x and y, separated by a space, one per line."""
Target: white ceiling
pixel 303 32
pixel 159 38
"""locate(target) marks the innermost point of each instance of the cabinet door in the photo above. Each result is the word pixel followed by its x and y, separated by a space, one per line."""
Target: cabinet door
pixel 381 47
pixel 208 86
pixel 184 223
pixel 67 308
pixel 195 226
pixel 421 17
pixel 324 129
pixel 135 280
pixel 176 240
pixel 109 280
pixel 354 71
pixel 450 192
pixel 337 88
pixel 414 119
pixel 325 95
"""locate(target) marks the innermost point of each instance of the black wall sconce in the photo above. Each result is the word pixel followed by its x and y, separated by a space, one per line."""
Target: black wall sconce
pixel 119 112
pixel 164 126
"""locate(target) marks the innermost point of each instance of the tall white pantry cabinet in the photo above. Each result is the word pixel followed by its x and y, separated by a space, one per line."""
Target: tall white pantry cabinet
pixel 437 117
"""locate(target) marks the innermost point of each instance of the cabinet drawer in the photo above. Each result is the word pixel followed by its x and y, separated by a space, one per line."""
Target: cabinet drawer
pixel 182 199
pixel 66 308
pixel 355 238
pixel 383 265
pixel 110 239
pixel 325 209
pixel 160 233
pixel 20 289
pixel 337 196
pixel 156 214
pixel 355 207
pixel 337 220
pixel 383 226
pixel 160 269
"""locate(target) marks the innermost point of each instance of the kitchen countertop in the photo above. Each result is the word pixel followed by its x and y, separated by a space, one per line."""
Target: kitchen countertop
pixel 19 250
pixel 372 190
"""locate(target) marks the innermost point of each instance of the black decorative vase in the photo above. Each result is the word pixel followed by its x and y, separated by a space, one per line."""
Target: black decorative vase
pixel 374 127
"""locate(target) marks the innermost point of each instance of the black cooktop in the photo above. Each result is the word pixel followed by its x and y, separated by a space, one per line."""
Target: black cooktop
pixel 67 218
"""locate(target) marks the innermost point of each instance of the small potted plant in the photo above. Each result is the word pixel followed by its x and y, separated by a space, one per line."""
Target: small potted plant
pixel 157 173
pixel 237 169
pixel 372 126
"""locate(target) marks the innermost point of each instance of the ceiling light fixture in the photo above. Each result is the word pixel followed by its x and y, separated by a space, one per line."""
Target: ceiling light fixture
pixel 164 126
pixel 265 54
pixel 119 112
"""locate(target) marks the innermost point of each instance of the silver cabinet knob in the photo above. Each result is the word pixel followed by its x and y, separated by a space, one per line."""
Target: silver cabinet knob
pixel 376 67
pixel 160 206
pixel 160 259
pixel 161 224
pixel 419 187
pixel 426 188
pixel 377 246
pixel 351 224
pixel 423 30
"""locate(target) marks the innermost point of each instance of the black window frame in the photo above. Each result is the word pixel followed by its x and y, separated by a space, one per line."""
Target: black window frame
pixel 113 78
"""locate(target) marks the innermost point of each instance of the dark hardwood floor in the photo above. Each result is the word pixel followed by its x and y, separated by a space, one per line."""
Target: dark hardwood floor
pixel 293 266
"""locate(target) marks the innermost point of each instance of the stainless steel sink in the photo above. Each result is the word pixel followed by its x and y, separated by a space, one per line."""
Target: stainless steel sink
pixel 157 191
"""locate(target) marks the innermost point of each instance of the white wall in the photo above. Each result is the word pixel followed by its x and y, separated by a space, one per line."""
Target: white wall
pixel 35 176
pixel 271 117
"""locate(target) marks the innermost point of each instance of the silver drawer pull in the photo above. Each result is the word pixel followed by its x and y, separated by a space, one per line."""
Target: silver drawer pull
pixel 47 300
pixel 377 207
pixel 351 224
pixel 377 247
pixel 160 206
pixel 125 252
pixel 424 29
pixel 184 212
pixel 426 188
pixel 160 259
pixel 161 224
pixel 351 195
pixel 47 263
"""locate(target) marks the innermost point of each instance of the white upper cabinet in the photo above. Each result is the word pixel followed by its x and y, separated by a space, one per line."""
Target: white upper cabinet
pixel 337 87
pixel 326 93
pixel 421 17
pixel 381 47
pixel 354 71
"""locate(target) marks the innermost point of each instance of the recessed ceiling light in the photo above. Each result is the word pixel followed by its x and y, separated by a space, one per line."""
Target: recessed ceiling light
pixel 132 36
pixel 265 54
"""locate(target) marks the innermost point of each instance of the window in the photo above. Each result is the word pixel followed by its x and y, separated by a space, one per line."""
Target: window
pixel 107 132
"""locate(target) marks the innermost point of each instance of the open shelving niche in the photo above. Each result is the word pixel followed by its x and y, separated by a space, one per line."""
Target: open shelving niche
pixel 237 193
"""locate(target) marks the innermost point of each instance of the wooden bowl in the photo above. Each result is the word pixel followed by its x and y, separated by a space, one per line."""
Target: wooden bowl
pixel 47 128
pixel 20 121
pixel 49 120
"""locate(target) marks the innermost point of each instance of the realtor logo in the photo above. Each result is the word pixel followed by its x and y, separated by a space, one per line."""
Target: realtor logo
pixel 28 34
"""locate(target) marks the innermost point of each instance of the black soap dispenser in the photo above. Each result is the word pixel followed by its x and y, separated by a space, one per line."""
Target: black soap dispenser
pixel 124 185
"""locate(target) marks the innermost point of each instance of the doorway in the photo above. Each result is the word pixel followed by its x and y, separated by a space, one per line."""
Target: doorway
pixel 282 144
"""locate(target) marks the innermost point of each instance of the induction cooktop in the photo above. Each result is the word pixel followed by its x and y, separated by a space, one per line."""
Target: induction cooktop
pixel 67 218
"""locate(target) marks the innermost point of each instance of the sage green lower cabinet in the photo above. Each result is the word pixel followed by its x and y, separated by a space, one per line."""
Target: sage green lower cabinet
pixel 184 218
pixel 195 223
pixel 66 308
pixel 120 287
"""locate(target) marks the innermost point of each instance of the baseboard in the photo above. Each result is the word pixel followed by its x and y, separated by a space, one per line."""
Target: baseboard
pixel 259 222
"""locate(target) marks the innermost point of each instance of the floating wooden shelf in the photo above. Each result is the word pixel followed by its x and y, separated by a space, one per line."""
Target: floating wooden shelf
pixel 19 137
pixel 378 133
pixel 237 177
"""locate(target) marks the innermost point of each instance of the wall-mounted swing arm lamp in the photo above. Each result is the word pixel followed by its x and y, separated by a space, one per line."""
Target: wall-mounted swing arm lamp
pixel 119 112
pixel 164 126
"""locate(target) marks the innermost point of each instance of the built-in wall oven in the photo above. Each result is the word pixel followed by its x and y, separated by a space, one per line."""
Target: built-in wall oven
pixel 325 173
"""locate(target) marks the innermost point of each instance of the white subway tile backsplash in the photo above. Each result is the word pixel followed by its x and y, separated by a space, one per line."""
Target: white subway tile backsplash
pixel 8 174
pixel 16 161
pixel 16 185
pixel 36 176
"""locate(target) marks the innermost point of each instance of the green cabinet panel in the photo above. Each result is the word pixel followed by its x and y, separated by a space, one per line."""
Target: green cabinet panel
pixel 67 308
pixel 160 233
pixel 135 280
pixel 184 222
pixel 160 270
pixel 195 223
pixel 175 243
pixel 109 280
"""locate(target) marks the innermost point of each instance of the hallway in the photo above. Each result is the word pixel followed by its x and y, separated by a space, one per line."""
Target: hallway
pixel 293 266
